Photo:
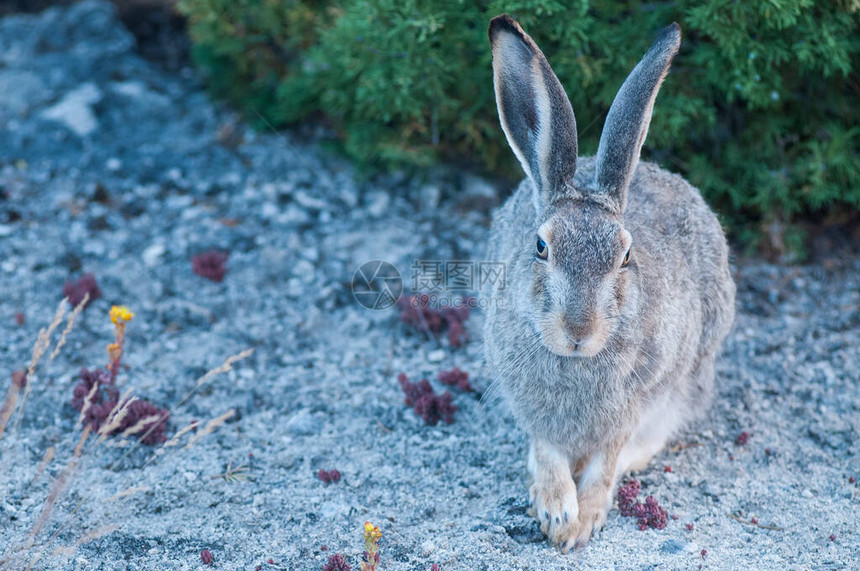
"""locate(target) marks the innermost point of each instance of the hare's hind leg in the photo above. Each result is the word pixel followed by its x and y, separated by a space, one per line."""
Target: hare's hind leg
pixel 655 427
pixel 666 416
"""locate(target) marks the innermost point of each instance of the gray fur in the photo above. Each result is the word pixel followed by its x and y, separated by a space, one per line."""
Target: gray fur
pixel 664 316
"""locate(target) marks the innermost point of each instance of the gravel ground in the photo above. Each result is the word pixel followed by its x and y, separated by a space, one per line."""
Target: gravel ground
pixel 111 166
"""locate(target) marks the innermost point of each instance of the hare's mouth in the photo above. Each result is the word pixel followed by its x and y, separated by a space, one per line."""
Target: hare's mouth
pixel 557 341
pixel 565 343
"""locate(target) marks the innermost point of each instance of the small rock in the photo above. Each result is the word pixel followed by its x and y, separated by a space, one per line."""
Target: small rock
pixel 430 195
pixel 672 546
pixel 311 202
pixel 75 110
pixel 377 203
pixel 22 91
pixel 129 88
pixel 269 210
pixel 94 247
pixel 152 255
pixel 436 356
pixel 476 187
pixel 303 423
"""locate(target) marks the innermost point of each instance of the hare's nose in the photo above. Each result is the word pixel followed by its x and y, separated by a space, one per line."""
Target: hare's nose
pixel 577 332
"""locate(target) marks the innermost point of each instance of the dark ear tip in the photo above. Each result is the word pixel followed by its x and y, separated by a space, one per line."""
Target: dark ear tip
pixel 672 33
pixel 504 22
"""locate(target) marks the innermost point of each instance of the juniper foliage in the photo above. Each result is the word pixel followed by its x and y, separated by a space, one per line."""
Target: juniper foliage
pixel 760 111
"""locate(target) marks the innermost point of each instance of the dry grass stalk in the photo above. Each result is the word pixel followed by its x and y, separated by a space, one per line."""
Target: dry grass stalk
pixel 128 492
pixel 69 324
pixel 116 417
pixel 140 425
pixel 174 441
pixel 46 460
pixel 210 426
pixel 225 367
pixel 88 402
pixel 43 341
pixel 8 408
pixel 118 443
pixel 59 485
pixel 34 560
pixel 81 441
pixel 92 535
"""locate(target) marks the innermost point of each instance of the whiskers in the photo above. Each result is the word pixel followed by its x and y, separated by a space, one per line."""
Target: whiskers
pixel 493 392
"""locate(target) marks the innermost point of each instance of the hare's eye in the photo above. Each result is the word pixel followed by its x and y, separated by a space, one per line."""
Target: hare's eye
pixel 542 249
pixel 626 259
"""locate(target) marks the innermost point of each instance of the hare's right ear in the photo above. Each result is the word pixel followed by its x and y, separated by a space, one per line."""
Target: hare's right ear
pixel 534 110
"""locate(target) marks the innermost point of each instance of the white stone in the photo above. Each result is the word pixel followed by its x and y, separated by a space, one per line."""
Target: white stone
pixel 436 356
pixel 75 110
pixel 377 203
pixel 152 255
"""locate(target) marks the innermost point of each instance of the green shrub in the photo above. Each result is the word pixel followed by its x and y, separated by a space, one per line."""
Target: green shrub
pixel 760 111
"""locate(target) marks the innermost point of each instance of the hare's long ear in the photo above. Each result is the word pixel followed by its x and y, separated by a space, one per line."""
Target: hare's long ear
pixel 629 116
pixel 534 110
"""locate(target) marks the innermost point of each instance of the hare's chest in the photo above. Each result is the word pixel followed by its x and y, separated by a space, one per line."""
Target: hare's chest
pixel 570 409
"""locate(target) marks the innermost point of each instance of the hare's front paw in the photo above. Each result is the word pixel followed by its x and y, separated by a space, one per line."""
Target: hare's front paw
pixel 592 516
pixel 555 507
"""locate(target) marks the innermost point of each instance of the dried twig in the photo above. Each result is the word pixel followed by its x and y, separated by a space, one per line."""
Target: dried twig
pixel 681 446
pixel 383 427
pixel 756 524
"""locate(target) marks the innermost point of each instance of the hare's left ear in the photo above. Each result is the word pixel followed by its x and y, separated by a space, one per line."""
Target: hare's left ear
pixel 629 116
pixel 534 110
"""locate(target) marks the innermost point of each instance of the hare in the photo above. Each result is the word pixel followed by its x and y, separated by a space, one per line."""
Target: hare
pixel 618 292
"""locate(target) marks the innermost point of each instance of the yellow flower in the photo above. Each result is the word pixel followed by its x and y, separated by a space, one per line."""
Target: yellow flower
pixel 371 532
pixel 120 314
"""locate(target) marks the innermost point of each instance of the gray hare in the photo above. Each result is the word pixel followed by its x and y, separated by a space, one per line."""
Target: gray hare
pixel 618 292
